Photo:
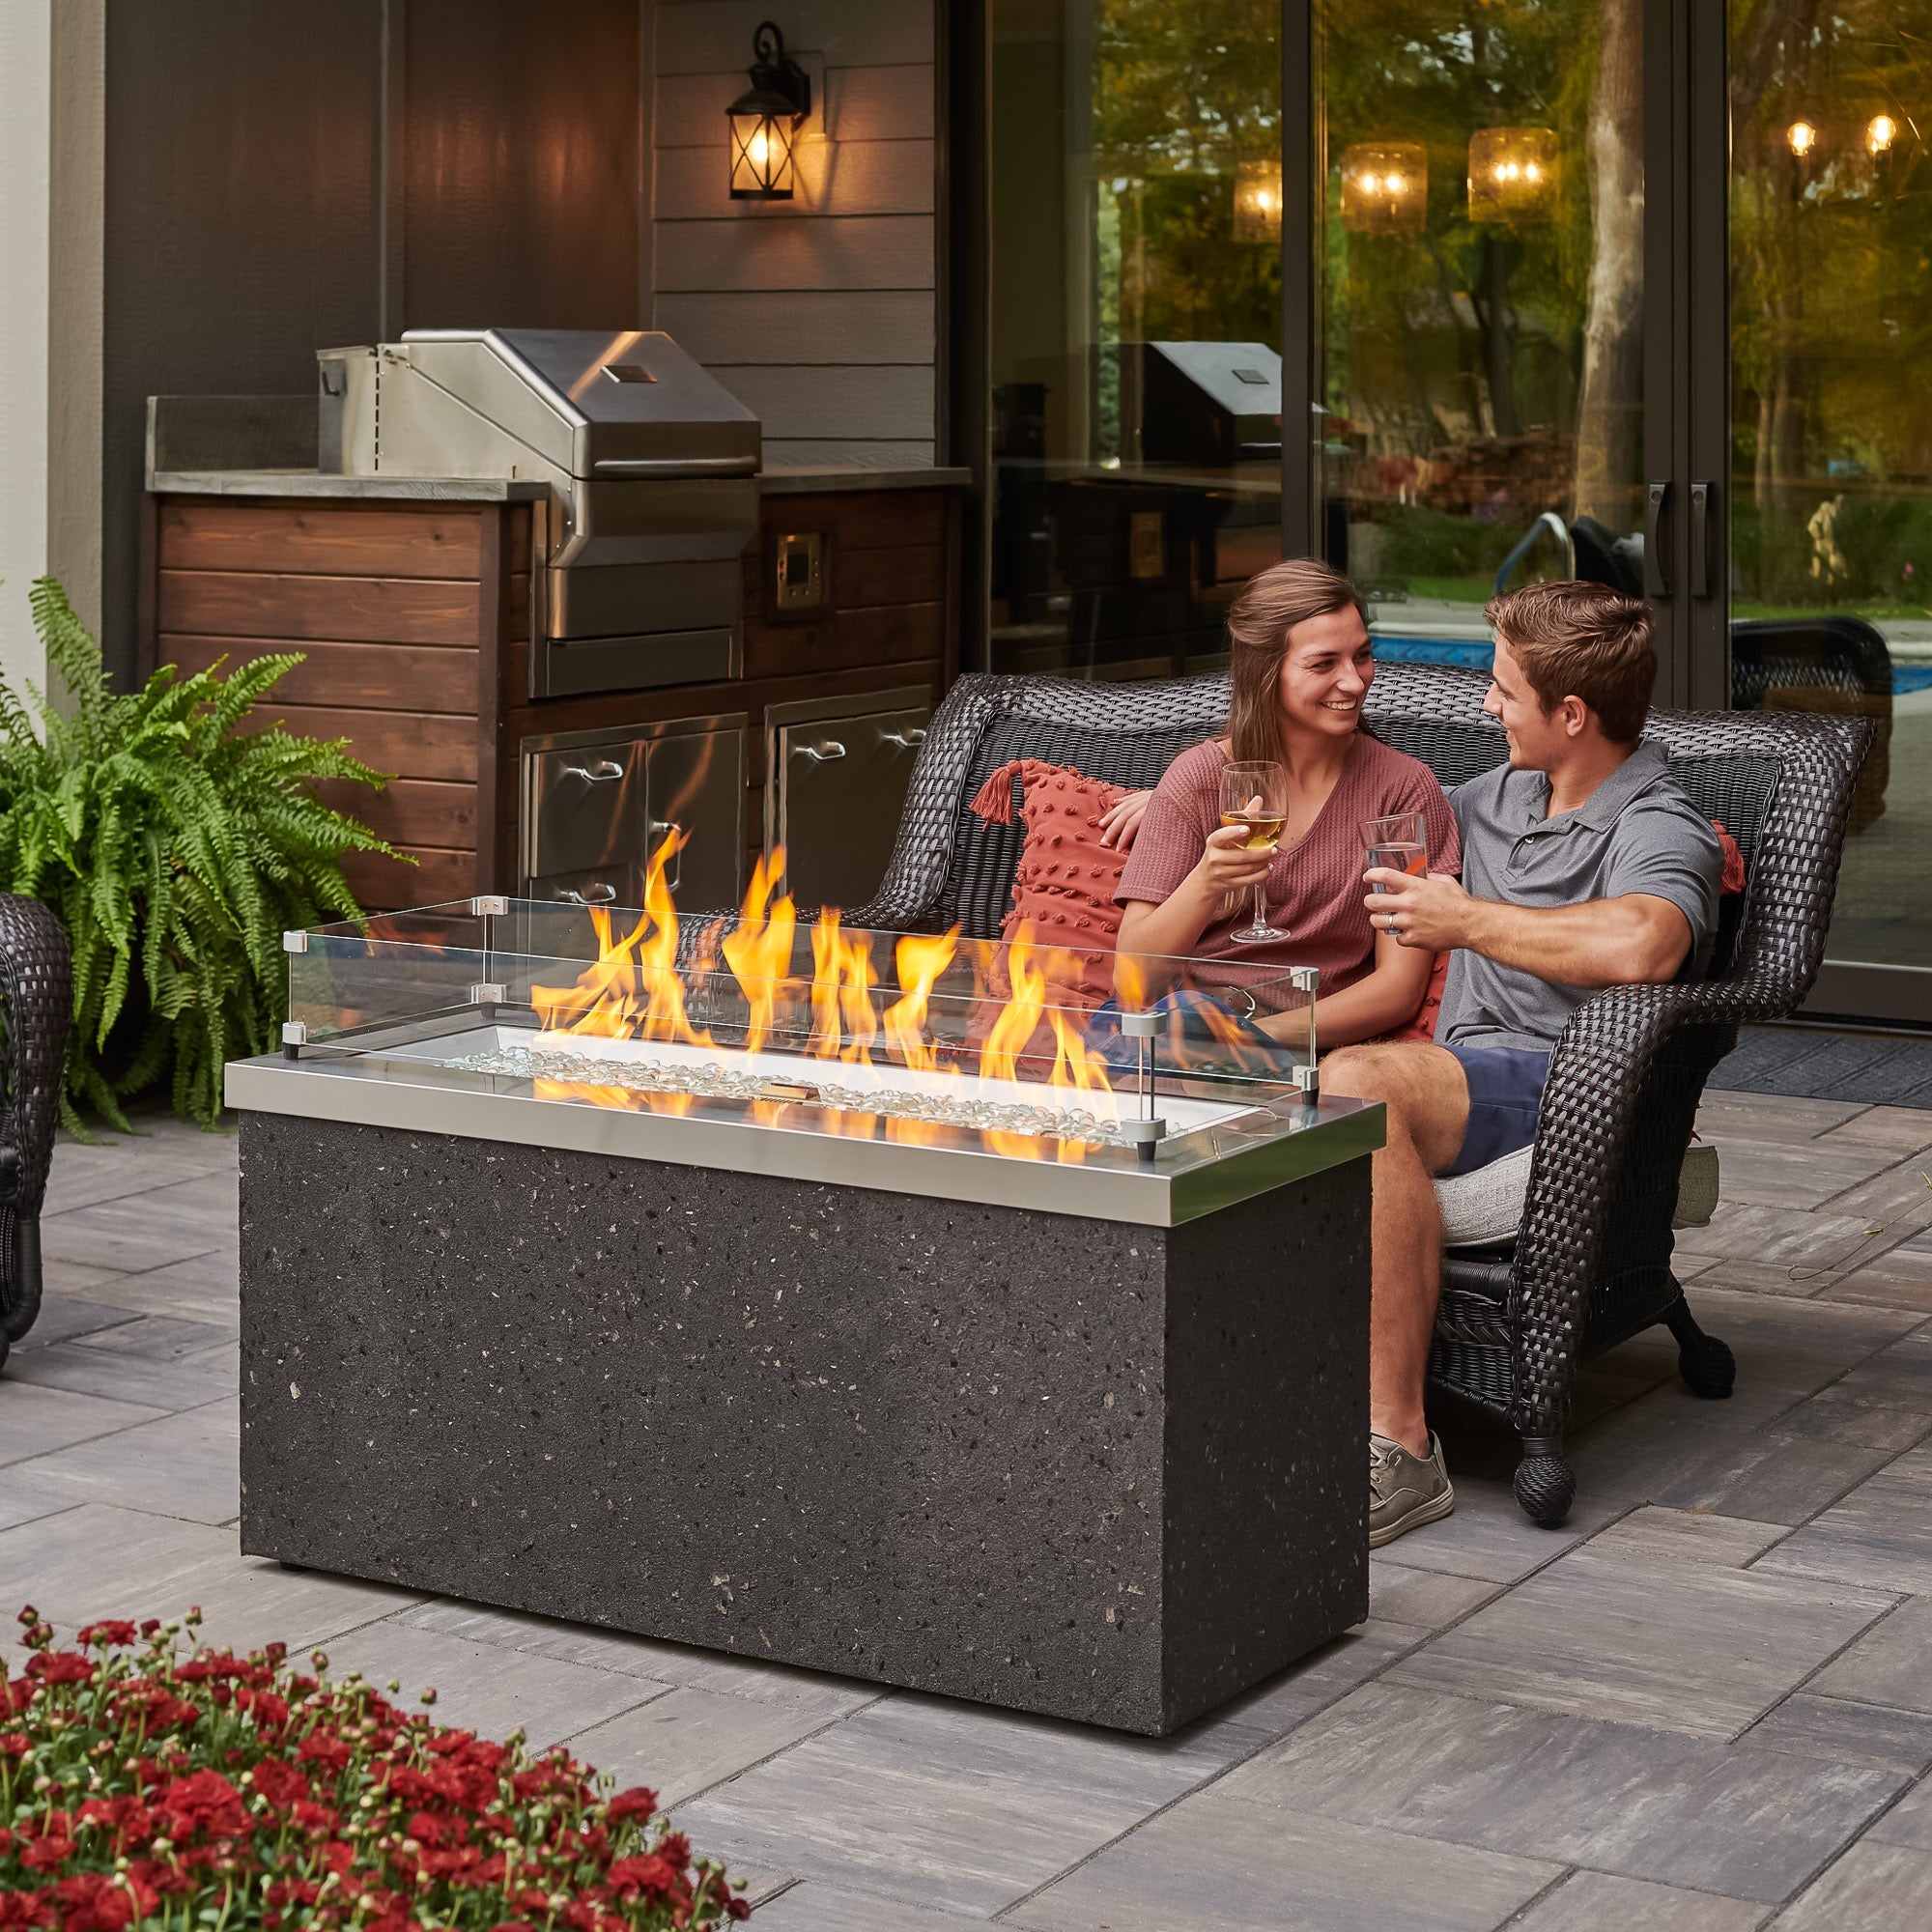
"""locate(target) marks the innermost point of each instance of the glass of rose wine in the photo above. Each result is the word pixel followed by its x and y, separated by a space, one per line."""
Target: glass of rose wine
pixel 1396 844
pixel 1255 796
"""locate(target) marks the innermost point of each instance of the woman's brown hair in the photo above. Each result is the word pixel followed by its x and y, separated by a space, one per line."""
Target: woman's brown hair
pixel 1272 602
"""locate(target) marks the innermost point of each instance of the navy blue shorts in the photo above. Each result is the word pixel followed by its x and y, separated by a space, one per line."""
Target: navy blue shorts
pixel 1505 1091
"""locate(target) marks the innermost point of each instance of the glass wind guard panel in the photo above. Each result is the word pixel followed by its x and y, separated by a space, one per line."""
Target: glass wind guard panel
pixel 1036 1050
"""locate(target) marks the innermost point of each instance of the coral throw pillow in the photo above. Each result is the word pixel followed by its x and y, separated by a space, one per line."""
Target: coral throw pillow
pixel 1066 877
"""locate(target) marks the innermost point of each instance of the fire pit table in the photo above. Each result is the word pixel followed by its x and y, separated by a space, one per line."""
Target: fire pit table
pixel 880 1304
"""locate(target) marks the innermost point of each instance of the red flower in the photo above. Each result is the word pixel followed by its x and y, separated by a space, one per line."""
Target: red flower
pixel 205 1802
pixel 636 1803
pixel 648 1877
pixel 47 1854
pixel 271 1712
pixel 14 1744
pixel 327 1748
pixel 281 1785
pixel 674 1848
pixel 94 1902
pixel 737 1907
pixel 61 1666
pixel 21 1910
pixel 317 1818
pixel 111 1630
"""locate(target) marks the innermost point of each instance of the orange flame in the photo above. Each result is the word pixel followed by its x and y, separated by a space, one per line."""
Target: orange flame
pixel 758 951
pixel 635 989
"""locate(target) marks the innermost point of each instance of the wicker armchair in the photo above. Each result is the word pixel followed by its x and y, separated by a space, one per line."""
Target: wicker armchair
pixel 1591 1266
pixel 36 991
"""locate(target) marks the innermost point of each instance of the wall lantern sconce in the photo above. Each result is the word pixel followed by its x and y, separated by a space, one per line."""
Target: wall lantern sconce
pixel 1513 174
pixel 1386 188
pixel 1258 201
pixel 765 119
pixel 1800 138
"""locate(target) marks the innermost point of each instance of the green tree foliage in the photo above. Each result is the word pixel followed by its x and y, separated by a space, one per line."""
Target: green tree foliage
pixel 176 849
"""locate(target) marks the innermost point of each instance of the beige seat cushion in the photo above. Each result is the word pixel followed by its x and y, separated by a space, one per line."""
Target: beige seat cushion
pixel 1485 1207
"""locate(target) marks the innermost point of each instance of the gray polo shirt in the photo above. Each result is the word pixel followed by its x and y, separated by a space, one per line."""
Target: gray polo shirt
pixel 1635 832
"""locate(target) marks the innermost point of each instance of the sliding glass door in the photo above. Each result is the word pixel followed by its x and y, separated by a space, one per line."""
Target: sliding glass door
pixel 1830 473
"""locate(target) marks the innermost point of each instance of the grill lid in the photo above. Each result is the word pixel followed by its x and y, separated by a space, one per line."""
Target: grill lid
pixel 596 405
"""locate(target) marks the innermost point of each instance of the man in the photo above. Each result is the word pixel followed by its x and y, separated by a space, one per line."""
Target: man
pixel 1583 866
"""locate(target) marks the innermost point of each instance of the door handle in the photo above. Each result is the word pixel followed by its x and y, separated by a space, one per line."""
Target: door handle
pixel 826 752
pixel 662 829
pixel 1702 496
pixel 1656 510
pixel 908 740
pixel 596 895
pixel 605 771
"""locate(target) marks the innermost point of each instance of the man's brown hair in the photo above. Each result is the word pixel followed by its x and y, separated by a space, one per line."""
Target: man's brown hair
pixel 1582 640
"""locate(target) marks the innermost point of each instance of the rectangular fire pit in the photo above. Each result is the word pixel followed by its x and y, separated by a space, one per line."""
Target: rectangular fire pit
pixel 868 1302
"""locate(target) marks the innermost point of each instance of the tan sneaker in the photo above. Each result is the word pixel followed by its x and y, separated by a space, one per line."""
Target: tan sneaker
pixel 1405 1491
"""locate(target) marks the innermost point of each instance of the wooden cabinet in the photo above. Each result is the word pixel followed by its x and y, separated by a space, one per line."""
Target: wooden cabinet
pixel 413 621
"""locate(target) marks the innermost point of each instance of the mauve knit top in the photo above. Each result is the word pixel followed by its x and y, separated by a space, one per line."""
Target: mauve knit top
pixel 1314 888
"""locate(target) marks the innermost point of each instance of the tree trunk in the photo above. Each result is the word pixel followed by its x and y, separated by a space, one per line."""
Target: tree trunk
pixel 1609 409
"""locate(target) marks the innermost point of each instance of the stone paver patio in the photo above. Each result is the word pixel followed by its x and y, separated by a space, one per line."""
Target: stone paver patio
pixel 1703 1706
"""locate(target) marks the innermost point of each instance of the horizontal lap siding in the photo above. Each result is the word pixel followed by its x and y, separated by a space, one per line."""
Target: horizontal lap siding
pixel 818 313
pixel 383 603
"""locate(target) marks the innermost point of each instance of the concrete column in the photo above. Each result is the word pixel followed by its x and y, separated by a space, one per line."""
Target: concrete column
pixel 26 145
pixel 52 59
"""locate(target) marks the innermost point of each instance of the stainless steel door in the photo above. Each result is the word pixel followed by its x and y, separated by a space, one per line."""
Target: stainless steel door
pixel 597 804
pixel 838 776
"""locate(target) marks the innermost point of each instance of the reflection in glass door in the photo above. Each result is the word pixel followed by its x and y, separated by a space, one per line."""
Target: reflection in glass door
pixel 1134 309
pixel 1831 214
pixel 1482 305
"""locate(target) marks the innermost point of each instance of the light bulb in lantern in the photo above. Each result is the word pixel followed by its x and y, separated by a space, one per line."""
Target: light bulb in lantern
pixel 1881 130
pixel 1514 173
pixel 1803 137
pixel 1386 188
pixel 1258 201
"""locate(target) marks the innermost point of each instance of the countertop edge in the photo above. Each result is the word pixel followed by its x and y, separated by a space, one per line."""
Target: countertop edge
pixel 314 483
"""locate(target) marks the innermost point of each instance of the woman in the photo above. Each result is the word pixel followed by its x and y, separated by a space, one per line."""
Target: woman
pixel 1300 669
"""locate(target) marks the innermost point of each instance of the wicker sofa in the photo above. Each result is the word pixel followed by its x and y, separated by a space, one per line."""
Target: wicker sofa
pixel 36 991
pixel 1592 1262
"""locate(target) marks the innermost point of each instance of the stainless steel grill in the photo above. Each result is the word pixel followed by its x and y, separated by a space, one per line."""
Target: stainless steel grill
pixel 652 470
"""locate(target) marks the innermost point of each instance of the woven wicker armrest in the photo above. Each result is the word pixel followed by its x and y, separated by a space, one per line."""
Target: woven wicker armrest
pixel 37 988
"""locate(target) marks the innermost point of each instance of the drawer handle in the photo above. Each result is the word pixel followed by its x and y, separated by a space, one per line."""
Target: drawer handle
pixel 596 895
pixel 605 771
pixel 826 752
pixel 908 740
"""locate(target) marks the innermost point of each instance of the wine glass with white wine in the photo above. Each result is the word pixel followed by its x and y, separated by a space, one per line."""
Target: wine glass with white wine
pixel 1255 796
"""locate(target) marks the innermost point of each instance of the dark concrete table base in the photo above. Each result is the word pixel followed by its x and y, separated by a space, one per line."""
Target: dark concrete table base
pixel 1105 1472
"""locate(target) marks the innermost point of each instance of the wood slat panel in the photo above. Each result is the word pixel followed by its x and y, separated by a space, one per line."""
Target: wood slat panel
pixel 711 36
pixel 405 742
pixel 884 404
pixel 359 540
pixel 816 326
pixel 408 811
pixel 866 519
pixel 372 677
pixel 848 251
pixel 832 178
pixel 913 574
pixel 895 633
pixel 383 885
pixel 353 610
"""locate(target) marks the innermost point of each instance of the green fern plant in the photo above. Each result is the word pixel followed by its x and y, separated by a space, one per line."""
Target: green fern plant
pixel 175 851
